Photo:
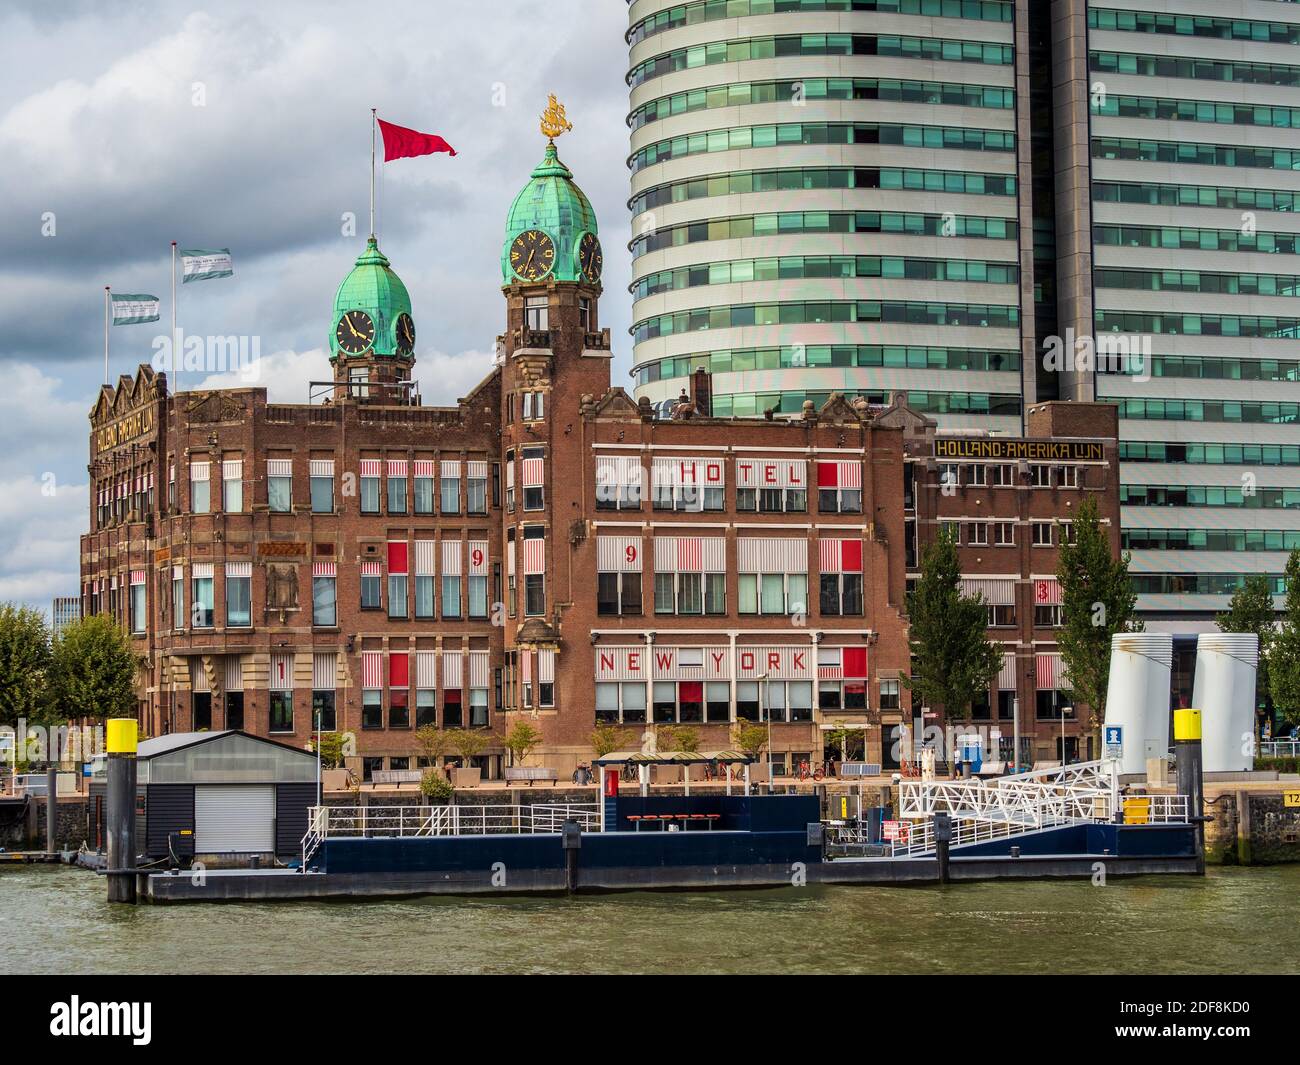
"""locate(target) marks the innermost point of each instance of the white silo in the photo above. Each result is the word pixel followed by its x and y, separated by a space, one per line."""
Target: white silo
pixel 1137 695
pixel 1224 692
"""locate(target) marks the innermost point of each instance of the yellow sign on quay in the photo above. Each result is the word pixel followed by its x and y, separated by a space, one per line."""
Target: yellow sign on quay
pixel 1291 798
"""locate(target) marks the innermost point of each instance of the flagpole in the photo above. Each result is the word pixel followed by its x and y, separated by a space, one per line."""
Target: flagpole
pixel 372 172
pixel 176 362
pixel 107 313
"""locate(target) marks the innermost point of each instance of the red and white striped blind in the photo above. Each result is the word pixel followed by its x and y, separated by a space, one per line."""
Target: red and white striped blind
pixel 239 569
pixel 324 569
pixel 372 675
pixel 371 569
pixel 449 469
pixel 397 467
pixel 452 669
pixel 1007 675
pixel 476 469
pixel 423 468
pixel 618 471
pixel 779 663
pixel 324 670
pixel 322 467
pixel 1047 592
pixel 1048 671
pixel 546 666
pixel 232 469
pixel 840 556
pixel 370 467
pixel 425 556
pixel 279 467
pixel 234 673
pixel 771 473
pixel 281 679
pixel 201 570
pixel 690 554
pixel 618 554
pixel 534 556
pixel 839 474
pixel 451 555
pixel 426 669
pixel 479 669
pixel 138 575
pixel 199 471
pixel 534 473
pixel 771 554
pixel 478 558
pixel 684 472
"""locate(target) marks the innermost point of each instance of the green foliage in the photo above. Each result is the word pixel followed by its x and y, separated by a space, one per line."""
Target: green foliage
pixel 468 743
pixel 25 657
pixel 333 748
pixel 607 738
pixel 1284 651
pixel 749 737
pixel 520 740
pixel 435 787
pixel 954 661
pixel 1251 610
pixel 1097 601
pixel 93 670
pixel 433 743
pixel 679 738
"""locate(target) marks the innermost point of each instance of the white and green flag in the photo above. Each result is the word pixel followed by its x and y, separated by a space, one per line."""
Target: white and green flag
pixel 203 264
pixel 133 309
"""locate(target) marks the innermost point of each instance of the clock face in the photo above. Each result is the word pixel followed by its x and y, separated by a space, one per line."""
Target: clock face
pixel 590 258
pixel 405 334
pixel 355 332
pixel 532 254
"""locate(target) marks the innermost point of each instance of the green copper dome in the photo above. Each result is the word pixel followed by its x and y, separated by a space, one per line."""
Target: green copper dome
pixel 372 287
pixel 553 204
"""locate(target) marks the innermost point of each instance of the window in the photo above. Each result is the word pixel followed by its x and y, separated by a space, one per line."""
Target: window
pixel 717 701
pixel 451 596
pixel 478 596
pixel 324 601
pixel 584 314
pixel 232 486
pixel 534 406
pixel 1069 534
pixel 772 593
pixel 534 474
pixel 1050 704
pixel 690 593
pixel 200 487
pixel 202 704
pixel 398 571
pixel 139 613
pixel 890 694
pixel 839 487
pixel 476 489
pixel 359 382
pixel 1042 533
pixel 537 313
pixel 478 704
pixel 239 594
pixel 839 500
pixel 397 488
pixel 620 703
pixel 1048 616
pixel 178 598
pixel 201 596
pixel 534 559
pixel 322 486
pixel 951 530
pixel 510 482
pixel 450 499
pixel 281 711
pixel 1004 533
pixel 1040 476
pixel 534 594
pixel 426 707
pixel 424 487
pixel 399 708
pixel 772 500
pixel 747 700
pixel 371 586
pixel 841 594
pixel 1002 616
pixel 369 486
pixel 978 533
pixel 949 477
pixel 451 708
pixel 372 708
pixel 322 710
pixel 618 593
pixel 1067 476
pixel 1004 476
pixel 977 476
pixel 279 485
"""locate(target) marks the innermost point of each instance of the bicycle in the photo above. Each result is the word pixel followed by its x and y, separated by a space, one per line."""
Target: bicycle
pixel 805 772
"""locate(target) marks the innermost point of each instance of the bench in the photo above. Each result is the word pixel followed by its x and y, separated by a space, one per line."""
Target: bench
pixel 992 769
pixel 531 773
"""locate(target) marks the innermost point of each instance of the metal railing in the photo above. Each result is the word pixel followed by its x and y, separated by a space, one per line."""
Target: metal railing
pixel 398 822
pixel 1279 748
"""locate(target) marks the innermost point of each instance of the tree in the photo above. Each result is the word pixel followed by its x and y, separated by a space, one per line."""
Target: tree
pixel 1252 610
pixel 435 787
pixel 1284 663
pixel 749 737
pixel 434 743
pixel 468 743
pixel 93 670
pixel 520 740
pixel 954 661
pixel 25 657
pixel 1097 601
pixel 606 739
pixel 679 738
pixel 333 749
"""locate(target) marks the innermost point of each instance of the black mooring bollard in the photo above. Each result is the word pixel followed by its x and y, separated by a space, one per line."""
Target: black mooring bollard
pixel 1191 780
pixel 942 838
pixel 571 841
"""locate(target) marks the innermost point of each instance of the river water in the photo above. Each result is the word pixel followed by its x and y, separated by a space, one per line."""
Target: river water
pixel 53 919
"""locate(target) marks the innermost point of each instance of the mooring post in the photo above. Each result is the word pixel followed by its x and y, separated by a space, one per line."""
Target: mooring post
pixel 1191 781
pixel 571 841
pixel 51 806
pixel 122 736
pixel 942 838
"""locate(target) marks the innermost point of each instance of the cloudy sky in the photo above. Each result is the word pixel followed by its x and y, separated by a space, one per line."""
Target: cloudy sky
pixel 126 125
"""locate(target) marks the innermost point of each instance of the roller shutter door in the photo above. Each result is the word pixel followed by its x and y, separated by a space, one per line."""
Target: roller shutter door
pixel 234 818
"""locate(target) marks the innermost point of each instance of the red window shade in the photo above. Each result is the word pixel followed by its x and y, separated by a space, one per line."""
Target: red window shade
pixel 827 474
pixel 397 556
pixel 852 556
pixel 855 661
pixel 399 670
pixel 691 691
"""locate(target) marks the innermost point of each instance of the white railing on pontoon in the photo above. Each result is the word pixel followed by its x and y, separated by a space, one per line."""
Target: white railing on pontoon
pixel 376 822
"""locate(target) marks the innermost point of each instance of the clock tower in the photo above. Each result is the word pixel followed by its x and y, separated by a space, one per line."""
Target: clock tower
pixel 556 360
pixel 372 335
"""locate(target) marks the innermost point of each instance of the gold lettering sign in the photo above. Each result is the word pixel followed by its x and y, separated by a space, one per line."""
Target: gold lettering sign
pixel 124 430
pixel 987 447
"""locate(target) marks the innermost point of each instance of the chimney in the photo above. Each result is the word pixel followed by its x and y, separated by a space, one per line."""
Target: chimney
pixel 702 392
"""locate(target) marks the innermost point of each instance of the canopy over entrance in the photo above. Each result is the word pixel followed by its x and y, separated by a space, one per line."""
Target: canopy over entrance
pixel 673 758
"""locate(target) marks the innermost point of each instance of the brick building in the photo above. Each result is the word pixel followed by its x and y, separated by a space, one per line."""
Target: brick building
pixel 550 549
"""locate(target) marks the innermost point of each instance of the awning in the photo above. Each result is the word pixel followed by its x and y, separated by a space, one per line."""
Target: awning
pixel 672 758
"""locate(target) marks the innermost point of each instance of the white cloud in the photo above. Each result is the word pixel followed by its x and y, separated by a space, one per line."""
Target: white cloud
pixel 39 548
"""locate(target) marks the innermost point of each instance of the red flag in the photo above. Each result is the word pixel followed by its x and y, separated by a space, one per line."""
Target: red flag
pixel 403 143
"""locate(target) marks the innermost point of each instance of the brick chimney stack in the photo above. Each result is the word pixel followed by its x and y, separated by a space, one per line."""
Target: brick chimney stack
pixel 702 392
